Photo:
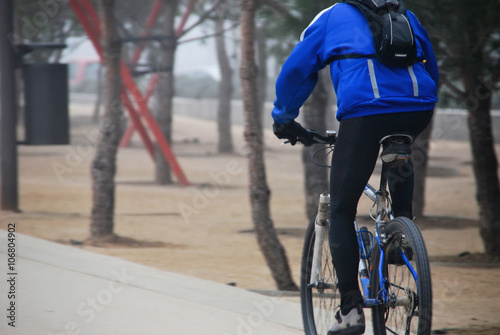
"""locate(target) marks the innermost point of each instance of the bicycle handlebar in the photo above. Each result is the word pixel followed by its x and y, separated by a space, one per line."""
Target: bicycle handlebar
pixel 330 137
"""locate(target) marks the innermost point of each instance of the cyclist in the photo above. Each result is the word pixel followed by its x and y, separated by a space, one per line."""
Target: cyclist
pixel 373 101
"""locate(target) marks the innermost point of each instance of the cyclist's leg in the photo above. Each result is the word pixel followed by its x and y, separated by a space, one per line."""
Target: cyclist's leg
pixel 400 178
pixel 353 160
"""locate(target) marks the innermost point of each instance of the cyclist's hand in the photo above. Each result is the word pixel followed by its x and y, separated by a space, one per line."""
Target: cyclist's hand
pixel 293 132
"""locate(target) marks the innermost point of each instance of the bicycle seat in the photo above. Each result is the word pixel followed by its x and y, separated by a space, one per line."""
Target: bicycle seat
pixel 396 149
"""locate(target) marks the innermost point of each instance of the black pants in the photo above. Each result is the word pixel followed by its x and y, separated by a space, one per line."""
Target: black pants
pixel 353 161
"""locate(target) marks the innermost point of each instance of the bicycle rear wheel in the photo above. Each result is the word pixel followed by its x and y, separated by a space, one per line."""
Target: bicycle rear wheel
pixel 319 302
pixel 409 290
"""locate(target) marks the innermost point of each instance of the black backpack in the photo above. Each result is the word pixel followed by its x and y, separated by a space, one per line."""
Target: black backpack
pixel 393 35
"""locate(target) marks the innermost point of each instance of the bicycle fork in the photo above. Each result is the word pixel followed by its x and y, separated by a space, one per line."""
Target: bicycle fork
pixel 320 229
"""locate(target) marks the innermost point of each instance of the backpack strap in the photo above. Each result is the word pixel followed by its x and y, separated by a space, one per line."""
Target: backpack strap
pixel 350 56
pixel 365 7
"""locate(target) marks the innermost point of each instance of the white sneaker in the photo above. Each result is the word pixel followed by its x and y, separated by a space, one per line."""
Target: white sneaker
pixel 351 324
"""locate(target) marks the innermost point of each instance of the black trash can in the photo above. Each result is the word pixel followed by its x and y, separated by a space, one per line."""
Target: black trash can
pixel 46 104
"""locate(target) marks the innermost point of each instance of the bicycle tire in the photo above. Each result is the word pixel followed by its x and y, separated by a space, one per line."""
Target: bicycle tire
pixel 413 301
pixel 318 304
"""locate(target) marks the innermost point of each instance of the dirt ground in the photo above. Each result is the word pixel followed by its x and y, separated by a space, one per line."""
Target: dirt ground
pixel 200 230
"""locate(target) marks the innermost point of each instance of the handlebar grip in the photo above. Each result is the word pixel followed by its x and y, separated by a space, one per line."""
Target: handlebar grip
pixel 330 138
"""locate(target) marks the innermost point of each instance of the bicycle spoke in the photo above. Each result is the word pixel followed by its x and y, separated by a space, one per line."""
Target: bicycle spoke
pixel 391 331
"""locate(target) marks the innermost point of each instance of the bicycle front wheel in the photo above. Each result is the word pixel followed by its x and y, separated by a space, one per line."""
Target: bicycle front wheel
pixel 319 300
pixel 408 282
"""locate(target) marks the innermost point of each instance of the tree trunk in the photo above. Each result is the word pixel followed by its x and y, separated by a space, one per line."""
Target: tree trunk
pixel 262 64
pixel 104 165
pixel 484 163
pixel 420 158
pixel 314 117
pixel 165 91
pixel 225 87
pixel 268 241
pixel 99 94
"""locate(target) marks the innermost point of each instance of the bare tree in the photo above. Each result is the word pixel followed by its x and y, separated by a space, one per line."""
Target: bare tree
pixel 468 52
pixel 225 144
pixel 103 168
pixel 165 92
pixel 260 35
pixel 268 241
pixel 166 86
pixel 314 116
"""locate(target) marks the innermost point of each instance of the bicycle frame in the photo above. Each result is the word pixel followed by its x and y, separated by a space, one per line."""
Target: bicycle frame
pixel 381 202
pixel 382 216
pixel 389 281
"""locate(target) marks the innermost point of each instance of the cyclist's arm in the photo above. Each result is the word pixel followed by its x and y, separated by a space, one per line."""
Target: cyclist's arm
pixel 299 73
pixel 422 37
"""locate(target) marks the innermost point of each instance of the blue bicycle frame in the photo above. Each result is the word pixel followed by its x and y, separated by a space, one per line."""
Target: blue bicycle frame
pixel 382 217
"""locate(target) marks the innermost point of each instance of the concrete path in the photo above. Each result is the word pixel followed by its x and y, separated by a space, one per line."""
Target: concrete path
pixel 65 290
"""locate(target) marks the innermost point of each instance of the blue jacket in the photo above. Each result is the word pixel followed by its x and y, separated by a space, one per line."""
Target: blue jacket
pixel 364 86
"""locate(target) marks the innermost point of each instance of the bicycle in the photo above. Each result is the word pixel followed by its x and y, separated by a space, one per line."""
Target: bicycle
pixel 394 269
